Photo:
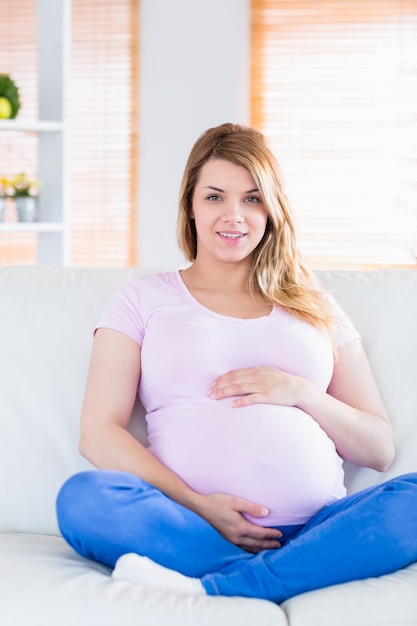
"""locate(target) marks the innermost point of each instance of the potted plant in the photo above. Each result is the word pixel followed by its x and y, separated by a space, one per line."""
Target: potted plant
pixel 9 98
pixel 25 191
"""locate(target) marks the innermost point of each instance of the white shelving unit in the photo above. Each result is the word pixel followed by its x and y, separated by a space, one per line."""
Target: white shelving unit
pixel 52 229
pixel 25 126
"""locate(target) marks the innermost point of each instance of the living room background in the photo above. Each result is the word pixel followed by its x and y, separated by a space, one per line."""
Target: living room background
pixel 101 101
pixel 147 77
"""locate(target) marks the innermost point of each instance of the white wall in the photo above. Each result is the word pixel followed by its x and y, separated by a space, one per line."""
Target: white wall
pixel 194 73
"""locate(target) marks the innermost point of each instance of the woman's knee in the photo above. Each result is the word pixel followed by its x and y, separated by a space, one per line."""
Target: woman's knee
pixel 89 492
pixel 84 497
pixel 73 499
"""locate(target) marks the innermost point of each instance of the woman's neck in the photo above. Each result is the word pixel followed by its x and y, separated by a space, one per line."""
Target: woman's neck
pixel 225 292
pixel 226 278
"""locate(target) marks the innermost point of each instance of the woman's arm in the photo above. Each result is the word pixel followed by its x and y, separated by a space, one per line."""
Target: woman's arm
pixel 351 412
pixel 110 393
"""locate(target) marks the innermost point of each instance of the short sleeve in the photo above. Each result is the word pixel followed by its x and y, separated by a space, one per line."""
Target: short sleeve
pixel 344 330
pixel 123 312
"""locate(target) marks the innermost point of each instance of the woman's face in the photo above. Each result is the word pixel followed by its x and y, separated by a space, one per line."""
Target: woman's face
pixel 230 216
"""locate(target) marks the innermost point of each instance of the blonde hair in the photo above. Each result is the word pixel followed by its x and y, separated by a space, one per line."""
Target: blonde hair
pixel 277 270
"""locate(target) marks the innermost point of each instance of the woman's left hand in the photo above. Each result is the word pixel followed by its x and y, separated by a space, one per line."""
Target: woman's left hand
pixel 257 385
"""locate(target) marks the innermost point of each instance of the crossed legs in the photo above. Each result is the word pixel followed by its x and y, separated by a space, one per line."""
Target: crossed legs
pixel 371 533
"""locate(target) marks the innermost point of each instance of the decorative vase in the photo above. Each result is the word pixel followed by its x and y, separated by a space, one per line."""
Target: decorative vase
pixel 27 208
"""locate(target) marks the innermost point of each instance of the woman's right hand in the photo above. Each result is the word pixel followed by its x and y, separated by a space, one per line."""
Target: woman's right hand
pixel 227 514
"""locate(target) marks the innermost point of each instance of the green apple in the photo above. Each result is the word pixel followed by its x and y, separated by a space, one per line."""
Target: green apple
pixel 5 108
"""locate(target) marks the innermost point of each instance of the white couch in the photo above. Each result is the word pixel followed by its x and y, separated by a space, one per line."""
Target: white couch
pixel 46 321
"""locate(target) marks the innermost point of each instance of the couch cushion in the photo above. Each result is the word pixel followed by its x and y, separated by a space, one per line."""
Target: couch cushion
pixel 47 319
pixel 44 583
pixel 386 601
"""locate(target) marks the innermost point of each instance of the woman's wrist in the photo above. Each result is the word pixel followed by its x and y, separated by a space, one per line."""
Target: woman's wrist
pixel 307 396
pixel 194 501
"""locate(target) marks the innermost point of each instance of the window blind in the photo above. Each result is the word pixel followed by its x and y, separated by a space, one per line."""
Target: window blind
pixel 18 151
pixel 103 131
pixel 102 126
pixel 334 88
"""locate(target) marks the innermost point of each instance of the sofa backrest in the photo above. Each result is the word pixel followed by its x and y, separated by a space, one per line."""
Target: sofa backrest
pixel 47 317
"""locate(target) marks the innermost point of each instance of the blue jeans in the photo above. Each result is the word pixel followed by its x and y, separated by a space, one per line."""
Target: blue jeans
pixel 105 514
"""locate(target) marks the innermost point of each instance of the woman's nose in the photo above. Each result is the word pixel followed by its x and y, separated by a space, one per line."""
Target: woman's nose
pixel 233 212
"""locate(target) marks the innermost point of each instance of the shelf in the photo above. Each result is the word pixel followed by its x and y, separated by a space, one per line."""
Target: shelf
pixel 31 126
pixel 51 234
pixel 33 227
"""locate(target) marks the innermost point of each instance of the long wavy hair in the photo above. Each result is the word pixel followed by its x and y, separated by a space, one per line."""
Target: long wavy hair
pixel 277 270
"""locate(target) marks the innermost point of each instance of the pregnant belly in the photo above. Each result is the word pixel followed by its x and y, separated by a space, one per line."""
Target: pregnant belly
pixel 275 456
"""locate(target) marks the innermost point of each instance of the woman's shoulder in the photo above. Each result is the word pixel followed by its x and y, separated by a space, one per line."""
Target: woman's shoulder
pixel 134 300
pixel 343 326
pixel 148 281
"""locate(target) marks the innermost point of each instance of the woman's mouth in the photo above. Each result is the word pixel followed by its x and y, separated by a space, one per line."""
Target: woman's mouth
pixel 227 235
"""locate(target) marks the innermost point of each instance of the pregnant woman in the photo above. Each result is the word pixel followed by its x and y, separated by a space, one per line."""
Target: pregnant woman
pixel 256 388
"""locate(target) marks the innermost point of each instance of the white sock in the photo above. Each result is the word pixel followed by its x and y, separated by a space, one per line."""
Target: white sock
pixel 142 570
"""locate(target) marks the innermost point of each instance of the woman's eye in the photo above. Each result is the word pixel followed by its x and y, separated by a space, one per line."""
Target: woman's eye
pixel 213 197
pixel 253 199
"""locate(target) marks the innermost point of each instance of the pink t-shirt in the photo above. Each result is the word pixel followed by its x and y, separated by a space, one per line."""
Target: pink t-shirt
pixel 273 455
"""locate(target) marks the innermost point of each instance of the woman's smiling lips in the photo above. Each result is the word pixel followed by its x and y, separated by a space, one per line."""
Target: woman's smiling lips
pixel 231 235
